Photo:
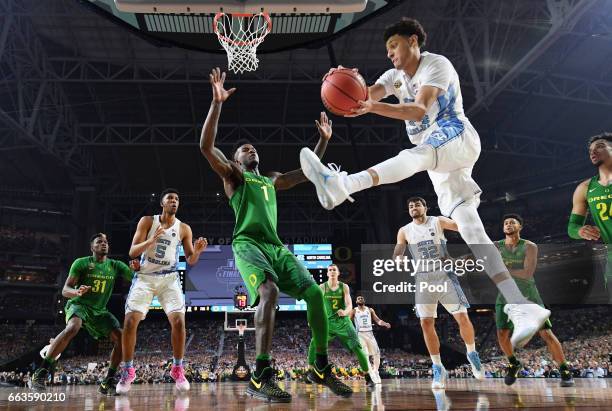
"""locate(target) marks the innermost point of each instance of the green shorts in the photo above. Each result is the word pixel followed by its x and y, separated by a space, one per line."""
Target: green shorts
pixel 98 323
pixel 258 261
pixel 530 291
pixel 343 329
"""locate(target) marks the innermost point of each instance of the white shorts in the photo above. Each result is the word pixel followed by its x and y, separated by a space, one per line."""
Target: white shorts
pixel 450 294
pixel 452 175
pixel 368 343
pixel 166 287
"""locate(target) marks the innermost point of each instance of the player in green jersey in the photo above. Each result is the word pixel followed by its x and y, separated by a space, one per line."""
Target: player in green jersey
pixel 520 256
pixel 265 265
pixel 339 305
pixel 594 195
pixel 88 288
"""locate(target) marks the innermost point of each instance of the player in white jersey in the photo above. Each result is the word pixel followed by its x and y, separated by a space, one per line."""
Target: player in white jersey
pixel 447 147
pixel 156 241
pixel 362 317
pixel 425 237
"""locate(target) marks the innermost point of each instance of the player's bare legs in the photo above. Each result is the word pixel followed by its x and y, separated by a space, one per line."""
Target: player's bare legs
pixel 265 317
pixel 178 337
pixel 128 344
pixel 466 329
pixel 428 325
pixel 58 345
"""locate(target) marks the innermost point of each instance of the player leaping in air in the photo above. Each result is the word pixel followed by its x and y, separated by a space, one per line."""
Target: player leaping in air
pixel 447 147
pixel 265 265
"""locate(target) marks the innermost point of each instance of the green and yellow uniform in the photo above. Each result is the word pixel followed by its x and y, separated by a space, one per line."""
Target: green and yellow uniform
pixel 599 199
pixel 340 327
pixel 514 259
pixel 258 252
pixel 91 307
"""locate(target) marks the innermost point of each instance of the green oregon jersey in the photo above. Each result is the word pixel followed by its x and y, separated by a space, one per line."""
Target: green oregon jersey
pixel 599 199
pixel 334 300
pixel 100 277
pixel 254 204
pixel 513 259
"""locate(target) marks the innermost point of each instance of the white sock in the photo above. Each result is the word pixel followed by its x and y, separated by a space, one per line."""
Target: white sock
pixel 357 182
pixel 470 347
pixel 511 292
pixel 473 233
pixel 436 359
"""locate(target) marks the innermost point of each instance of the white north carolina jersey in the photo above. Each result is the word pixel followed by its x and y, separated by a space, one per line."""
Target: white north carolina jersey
pixel 447 114
pixel 426 243
pixel 363 320
pixel 164 257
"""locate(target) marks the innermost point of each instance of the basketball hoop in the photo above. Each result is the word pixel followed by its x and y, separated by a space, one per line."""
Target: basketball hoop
pixel 240 34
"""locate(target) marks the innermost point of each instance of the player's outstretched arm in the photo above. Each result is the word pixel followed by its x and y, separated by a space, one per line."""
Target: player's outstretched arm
pixel 192 250
pixel 400 246
pixel 414 111
pixel 285 181
pixel 576 228
pixel 217 160
pixel 378 321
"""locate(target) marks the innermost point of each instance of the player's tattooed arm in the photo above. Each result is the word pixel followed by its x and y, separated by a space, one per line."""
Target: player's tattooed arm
pixel 192 251
pixel 285 181
pixel 576 227
pixel 400 246
pixel 378 321
pixel 70 290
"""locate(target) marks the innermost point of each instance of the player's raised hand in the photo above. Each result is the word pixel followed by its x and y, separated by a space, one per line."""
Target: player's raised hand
pixel 324 125
pixel 217 80
pixel 135 264
pixel 365 106
pixel 200 245
pixel 589 232
pixel 82 290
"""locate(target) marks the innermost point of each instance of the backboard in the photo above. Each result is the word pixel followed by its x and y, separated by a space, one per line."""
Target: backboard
pixel 305 23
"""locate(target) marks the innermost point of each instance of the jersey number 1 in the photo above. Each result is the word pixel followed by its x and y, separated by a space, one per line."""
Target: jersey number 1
pixel 265 190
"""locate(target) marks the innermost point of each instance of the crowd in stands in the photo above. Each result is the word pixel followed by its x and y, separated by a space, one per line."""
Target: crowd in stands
pixel 586 335
pixel 20 338
pixel 28 241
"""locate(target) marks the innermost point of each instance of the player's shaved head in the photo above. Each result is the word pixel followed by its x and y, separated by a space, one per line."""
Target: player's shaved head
pixel 95 236
pixel 517 217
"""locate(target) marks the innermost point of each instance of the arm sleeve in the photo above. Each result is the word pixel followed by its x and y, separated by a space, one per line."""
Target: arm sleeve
pixel 438 74
pixel 76 268
pixel 124 271
pixel 386 80
pixel 576 221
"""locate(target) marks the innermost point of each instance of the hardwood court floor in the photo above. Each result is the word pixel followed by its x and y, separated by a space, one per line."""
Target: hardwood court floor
pixel 392 395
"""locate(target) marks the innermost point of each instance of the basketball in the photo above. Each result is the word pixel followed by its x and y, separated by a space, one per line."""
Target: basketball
pixel 341 90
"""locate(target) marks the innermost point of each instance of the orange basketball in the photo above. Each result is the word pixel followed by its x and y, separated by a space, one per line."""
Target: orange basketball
pixel 342 89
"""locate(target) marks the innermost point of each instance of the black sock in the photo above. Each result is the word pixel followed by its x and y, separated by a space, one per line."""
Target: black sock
pixel 111 372
pixel 321 361
pixel 513 360
pixel 260 365
pixel 47 364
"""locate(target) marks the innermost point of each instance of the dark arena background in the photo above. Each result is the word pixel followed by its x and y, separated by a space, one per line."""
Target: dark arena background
pixel 102 109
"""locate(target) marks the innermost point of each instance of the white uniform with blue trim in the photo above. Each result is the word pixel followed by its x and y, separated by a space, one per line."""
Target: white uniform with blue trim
pixel 158 275
pixel 444 127
pixel 427 244
pixel 363 323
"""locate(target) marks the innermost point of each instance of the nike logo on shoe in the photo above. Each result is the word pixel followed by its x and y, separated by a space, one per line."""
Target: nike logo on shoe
pixel 257 385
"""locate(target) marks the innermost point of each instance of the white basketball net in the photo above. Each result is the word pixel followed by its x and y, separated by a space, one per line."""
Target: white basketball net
pixel 240 34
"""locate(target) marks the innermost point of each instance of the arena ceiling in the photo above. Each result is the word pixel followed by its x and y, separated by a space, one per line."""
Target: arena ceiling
pixel 84 101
